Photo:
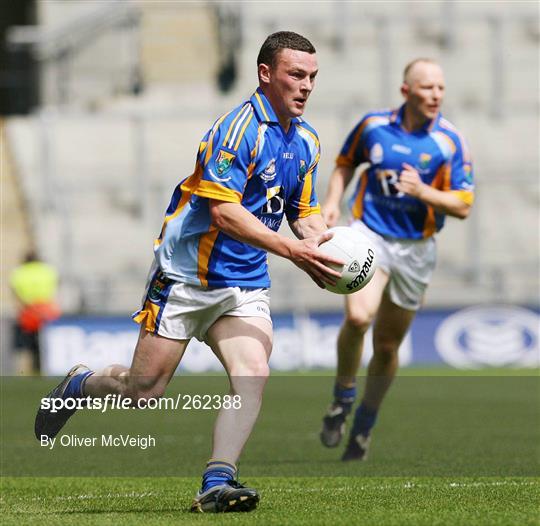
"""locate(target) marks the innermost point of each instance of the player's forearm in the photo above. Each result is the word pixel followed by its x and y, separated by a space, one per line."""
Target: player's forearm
pixel 339 180
pixel 237 222
pixel 444 202
pixel 309 226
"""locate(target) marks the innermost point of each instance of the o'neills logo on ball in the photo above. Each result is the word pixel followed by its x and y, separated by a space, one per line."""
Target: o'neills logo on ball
pixel 366 267
pixel 354 266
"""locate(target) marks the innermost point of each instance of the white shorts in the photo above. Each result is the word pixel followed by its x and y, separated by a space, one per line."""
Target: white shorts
pixel 181 311
pixel 409 263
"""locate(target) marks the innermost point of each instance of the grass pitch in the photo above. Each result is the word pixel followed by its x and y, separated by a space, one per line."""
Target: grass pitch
pixel 448 449
pixel 284 500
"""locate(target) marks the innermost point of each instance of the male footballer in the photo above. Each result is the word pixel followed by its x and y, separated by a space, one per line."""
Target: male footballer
pixel 209 279
pixel 416 171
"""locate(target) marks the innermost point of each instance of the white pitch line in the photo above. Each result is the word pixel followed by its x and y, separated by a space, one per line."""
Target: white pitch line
pixel 130 495
pixel 406 485
pixel 412 485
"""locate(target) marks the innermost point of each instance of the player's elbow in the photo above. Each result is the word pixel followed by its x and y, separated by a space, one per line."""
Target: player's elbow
pixel 463 211
pixel 218 216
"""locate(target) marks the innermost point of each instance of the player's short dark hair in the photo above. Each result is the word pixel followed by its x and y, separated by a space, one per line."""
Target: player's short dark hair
pixel 282 40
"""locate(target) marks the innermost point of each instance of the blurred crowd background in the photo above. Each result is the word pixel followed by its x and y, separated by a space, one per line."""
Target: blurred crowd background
pixel 103 104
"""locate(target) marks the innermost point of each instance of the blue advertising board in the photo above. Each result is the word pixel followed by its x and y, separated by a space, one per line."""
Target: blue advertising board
pixel 472 337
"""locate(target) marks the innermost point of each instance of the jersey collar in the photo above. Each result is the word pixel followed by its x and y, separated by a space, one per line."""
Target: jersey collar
pixel 264 110
pixel 397 118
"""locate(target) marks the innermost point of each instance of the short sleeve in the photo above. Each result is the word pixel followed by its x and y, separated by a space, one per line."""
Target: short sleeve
pixel 461 172
pixel 352 152
pixel 303 202
pixel 224 157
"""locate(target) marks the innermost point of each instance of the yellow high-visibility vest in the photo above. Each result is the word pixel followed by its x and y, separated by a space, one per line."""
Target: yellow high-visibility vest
pixel 34 282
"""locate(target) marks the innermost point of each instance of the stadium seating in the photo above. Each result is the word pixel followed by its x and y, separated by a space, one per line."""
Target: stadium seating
pixel 99 181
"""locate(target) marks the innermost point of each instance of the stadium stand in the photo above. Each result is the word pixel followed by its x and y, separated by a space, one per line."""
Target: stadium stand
pixel 16 230
pixel 15 241
pixel 98 170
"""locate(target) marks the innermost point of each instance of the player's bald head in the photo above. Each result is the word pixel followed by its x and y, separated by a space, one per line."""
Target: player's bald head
pixel 418 68
pixel 423 89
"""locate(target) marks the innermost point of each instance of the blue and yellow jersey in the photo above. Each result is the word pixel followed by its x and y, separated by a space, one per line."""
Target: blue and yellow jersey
pixel 247 158
pixel 437 151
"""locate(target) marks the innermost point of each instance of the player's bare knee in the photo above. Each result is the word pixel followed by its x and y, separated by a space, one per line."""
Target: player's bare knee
pixel 385 350
pixel 255 369
pixel 258 370
pixel 358 321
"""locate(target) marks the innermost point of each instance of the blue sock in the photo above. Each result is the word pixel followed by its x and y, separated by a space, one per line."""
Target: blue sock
pixel 75 386
pixel 344 396
pixel 364 420
pixel 216 474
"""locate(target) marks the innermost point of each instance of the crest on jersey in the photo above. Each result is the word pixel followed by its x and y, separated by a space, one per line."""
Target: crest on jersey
pixel 224 161
pixel 424 160
pixel 302 170
pixel 158 285
pixel 376 154
pixel 269 173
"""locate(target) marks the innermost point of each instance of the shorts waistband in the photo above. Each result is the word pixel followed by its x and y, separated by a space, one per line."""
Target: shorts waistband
pixel 404 239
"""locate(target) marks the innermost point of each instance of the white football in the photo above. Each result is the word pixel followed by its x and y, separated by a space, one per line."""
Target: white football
pixel 358 252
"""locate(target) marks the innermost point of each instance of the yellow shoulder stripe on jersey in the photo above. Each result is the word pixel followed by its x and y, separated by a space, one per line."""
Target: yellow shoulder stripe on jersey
pixel 259 100
pixel 448 140
pixel 250 170
pixel 209 149
pixel 206 245
pixel 240 125
pixel 241 134
pixel 213 190
pixel 231 126
pixel 311 134
pixel 253 154
pixel 358 134
pixel 466 196
pixel 443 123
